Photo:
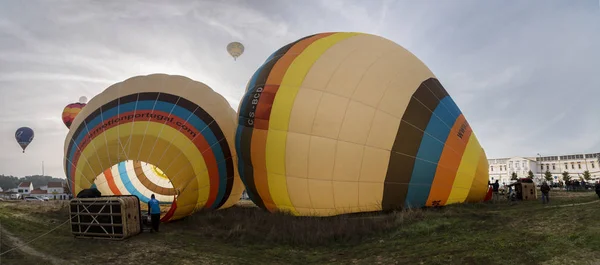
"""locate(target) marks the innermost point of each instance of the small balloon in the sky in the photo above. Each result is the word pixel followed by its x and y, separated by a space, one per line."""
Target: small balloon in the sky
pixel 70 112
pixel 235 49
pixel 83 100
pixel 24 136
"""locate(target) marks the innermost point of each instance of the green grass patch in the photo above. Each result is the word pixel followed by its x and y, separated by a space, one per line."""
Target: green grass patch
pixel 482 233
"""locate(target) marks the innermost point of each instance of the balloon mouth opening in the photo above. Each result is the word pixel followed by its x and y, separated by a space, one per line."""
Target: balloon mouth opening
pixel 141 179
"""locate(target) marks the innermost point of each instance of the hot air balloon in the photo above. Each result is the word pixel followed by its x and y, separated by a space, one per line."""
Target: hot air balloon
pixel 70 112
pixel 24 136
pixel 147 123
pixel 340 122
pixel 83 99
pixel 235 49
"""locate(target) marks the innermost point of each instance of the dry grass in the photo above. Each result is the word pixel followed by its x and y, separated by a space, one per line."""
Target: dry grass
pixel 245 225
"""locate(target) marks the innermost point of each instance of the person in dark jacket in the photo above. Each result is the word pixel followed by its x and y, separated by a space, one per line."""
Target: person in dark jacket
pixel 495 188
pixel 545 192
pixel 597 188
pixel 154 212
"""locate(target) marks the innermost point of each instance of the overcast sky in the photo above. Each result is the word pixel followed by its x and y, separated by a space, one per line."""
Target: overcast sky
pixel 525 73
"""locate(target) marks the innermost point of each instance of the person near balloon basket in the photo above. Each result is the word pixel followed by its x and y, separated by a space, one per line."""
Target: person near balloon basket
pixel 545 188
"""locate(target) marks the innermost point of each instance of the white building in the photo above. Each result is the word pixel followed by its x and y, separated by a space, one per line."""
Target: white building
pixel 56 191
pixel 25 187
pixel 575 164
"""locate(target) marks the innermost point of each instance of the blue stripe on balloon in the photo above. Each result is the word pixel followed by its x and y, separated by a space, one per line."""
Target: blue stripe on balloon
pixel 128 185
pixel 451 106
pixel 238 135
pixel 178 111
pixel 430 151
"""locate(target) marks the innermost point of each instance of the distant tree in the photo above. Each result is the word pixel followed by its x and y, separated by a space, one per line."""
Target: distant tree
pixel 514 176
pixel 586 175
pixel 9 182
pixel 530 174
pixel 548 176
pixel 565 176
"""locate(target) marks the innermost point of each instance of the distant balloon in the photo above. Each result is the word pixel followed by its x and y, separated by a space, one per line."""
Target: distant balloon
pixel 235 49
pixel 70 112
pixel 24 136
pixel 83 100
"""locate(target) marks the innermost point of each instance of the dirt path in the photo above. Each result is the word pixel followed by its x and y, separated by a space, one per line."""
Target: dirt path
pixel 15 241
pixel 572 204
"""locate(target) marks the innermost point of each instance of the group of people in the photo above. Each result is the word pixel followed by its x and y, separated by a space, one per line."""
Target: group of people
pixel 575 185
pixel 544 188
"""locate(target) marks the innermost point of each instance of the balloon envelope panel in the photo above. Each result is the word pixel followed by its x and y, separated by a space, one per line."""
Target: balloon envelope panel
pixel 182 126
pixel 348 122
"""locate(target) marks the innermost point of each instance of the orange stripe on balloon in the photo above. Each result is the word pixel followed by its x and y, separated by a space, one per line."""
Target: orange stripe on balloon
pixel 449 162
pixel 110 180
pixel 263 112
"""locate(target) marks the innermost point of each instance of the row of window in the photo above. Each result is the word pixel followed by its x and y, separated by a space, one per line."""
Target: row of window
pixel 548 166
pixel 567 157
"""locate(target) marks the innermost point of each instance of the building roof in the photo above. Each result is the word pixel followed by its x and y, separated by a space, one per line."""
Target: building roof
pixel 55 184
pixel 25 184
pixel 39 191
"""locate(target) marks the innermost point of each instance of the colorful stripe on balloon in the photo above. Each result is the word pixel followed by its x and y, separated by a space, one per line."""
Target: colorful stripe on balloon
pixel 178 113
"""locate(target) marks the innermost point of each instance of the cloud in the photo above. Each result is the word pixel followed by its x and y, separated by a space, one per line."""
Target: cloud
pixel 523 74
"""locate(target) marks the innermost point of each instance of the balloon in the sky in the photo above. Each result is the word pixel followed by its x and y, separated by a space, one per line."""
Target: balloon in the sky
pixel 24 136
pixel 70 112
pixel 235 49
pixel 339 123
pixel 83 99
pixel 179 125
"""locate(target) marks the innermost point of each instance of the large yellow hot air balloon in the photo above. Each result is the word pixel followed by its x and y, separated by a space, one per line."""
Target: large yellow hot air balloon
pixel 181 126
pixel 235 49
pixel 344 122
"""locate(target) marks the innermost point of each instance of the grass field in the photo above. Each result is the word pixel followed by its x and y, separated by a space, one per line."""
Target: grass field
pixel 566 231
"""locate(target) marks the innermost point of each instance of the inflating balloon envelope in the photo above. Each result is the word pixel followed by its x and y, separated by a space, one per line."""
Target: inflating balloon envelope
pixel 343 122
pixel 157 134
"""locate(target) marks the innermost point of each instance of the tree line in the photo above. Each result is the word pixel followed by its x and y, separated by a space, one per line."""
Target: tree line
pixel 9 182
pixel 548 176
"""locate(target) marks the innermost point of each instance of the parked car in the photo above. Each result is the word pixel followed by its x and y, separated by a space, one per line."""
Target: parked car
pixel 31 198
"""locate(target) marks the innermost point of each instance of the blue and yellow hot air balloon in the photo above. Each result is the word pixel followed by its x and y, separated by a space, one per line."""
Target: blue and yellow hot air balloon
pixel 343 122
pixel 176 124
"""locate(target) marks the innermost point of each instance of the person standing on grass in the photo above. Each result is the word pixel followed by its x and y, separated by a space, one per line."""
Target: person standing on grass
pixel 597 188
pixel 495 188
pixel 545 191
pixel 154 212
